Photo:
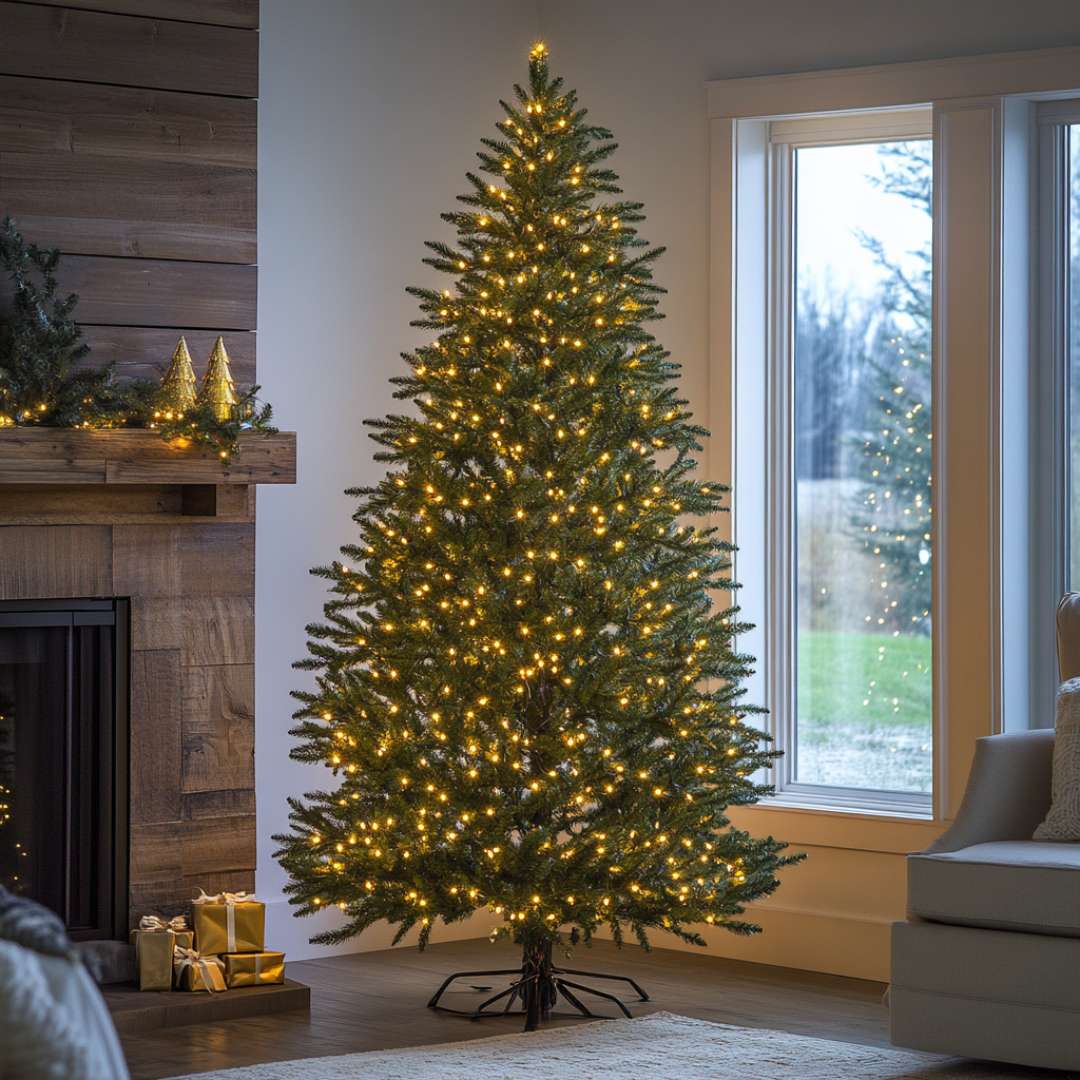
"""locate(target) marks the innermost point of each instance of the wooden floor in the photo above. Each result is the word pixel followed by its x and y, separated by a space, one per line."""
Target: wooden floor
pixel 373 1001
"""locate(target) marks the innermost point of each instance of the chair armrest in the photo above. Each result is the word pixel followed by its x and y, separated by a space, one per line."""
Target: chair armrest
pixel 1008 791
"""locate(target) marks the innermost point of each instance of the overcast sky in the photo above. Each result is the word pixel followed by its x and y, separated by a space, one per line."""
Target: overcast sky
pixel 834 200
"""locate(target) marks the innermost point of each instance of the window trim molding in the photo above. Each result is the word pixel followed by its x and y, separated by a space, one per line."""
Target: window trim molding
pixel 1045 73
pixel 981 342
pixel 784 138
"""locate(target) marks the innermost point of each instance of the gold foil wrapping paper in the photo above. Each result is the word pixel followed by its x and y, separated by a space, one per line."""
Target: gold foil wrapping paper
pixel 254 969
pixel 193 971
pixel 229 923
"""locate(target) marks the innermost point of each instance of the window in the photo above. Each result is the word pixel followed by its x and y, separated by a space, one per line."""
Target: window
pixel 1059 122
pixel 861 462
pixel 850 418
pixel 1071 308
pixel 1072 208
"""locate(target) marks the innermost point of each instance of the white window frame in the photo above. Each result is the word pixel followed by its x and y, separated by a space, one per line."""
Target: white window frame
pixel 785 137
pixel 1051 372
pixel 987 639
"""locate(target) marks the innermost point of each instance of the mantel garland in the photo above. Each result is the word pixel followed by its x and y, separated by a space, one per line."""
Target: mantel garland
pixel 43 382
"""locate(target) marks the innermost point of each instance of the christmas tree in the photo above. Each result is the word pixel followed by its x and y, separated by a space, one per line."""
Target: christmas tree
pixel 525 693
pixel 894 508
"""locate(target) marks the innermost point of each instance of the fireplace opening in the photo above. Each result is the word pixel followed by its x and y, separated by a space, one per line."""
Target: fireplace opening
pixel 64 759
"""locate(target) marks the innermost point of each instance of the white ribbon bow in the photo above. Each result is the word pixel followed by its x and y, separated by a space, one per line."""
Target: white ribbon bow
pixel 230 900
pixel 177 924
pixel 225 898
pixel 185 958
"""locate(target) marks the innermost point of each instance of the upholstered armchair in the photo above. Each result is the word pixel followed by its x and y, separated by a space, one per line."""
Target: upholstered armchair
pixel 986 964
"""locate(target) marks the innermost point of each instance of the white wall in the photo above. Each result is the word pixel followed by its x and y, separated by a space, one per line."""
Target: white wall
pixel 370 112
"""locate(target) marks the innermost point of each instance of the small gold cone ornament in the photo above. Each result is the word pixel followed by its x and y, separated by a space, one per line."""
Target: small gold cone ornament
pixel 218 389
pixel 177 393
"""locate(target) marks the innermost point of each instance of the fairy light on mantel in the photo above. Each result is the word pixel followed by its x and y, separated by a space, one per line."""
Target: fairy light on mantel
pixel 523 689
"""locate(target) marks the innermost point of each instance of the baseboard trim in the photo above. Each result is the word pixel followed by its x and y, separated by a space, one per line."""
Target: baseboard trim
pixel 291 935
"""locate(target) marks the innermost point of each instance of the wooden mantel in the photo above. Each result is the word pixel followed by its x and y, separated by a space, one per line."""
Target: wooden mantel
pixel 58 476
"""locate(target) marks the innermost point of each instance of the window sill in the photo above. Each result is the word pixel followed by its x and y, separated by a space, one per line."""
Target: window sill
pixel 837 827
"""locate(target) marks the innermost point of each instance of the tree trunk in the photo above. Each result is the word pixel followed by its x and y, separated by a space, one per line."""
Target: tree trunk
pixel 539 986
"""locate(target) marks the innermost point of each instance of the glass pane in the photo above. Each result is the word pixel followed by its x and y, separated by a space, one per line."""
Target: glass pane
pixel 1073 357
pixel 862 465
pixel 33 708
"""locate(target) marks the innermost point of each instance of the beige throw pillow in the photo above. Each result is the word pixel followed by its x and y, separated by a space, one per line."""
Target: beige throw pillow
pixel 1063 821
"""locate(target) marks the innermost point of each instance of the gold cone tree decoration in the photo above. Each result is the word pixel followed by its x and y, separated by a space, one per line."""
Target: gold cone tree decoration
pixel 177 393
pixel 218 390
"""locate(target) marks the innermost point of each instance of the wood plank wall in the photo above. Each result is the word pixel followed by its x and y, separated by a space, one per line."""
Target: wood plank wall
pixel 128 140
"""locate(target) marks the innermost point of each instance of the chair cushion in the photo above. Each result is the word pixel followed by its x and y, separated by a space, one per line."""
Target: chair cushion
pixel 1007 885
pixel 1063 821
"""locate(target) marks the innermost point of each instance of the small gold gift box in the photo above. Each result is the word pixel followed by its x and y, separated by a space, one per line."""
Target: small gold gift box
pixel 254 969
pixel 154 940
pixel 229 923
pixel 194 972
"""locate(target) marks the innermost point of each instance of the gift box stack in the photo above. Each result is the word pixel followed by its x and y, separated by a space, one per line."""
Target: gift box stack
pixel 224 950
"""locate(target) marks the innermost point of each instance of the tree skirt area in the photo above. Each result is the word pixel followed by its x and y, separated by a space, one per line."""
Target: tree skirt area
pixel 656 1047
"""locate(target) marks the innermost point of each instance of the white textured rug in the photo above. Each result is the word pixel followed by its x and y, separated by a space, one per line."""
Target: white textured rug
pixel 657 1047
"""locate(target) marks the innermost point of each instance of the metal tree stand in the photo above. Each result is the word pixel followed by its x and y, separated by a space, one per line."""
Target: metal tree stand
pixel 537 987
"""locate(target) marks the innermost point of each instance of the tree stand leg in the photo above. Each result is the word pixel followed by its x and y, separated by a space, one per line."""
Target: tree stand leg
pixel 538 988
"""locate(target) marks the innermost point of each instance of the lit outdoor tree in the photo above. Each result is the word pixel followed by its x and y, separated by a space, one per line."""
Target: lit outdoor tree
pixel 894 511
pixel 524 690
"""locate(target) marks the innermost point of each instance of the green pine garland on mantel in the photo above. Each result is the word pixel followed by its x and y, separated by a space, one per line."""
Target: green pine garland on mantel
pixel 43 383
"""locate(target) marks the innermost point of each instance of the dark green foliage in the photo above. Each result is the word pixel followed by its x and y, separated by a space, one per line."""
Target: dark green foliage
pixel 40 347
pixel 524 690
pixel 201 425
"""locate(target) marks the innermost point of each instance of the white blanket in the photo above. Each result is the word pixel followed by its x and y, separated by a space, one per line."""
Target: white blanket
pixel 53 1021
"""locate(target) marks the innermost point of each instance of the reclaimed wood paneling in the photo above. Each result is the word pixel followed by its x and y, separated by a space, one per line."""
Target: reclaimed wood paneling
pixel 205 629
pixel 194 849
pixel 217 560
pixel 25 469
pixel 57 116
pixel 98 47
pixel 218 728
pixel 201 804
pixel 143 352
pixel 243 13
pixel 152 292
pixel 66 456
pixel 184 560
pixel 156 734
pixel 262 459
pixel 86 204
pixel 146 561
pixel 40 562
pixel 43 504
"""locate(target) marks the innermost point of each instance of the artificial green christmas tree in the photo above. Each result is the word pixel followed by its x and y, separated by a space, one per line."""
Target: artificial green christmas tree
pixel 525 693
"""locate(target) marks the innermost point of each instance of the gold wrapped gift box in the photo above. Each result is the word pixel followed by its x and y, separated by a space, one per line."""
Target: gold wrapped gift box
pixel 229 923
pixel 194 972
pixel 154 940
pixel 254 969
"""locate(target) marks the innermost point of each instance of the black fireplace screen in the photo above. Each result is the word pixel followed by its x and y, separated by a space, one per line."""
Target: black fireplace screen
pixel 63 759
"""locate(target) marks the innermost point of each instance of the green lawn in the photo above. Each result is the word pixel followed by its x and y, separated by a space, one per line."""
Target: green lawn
pixel 864 710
